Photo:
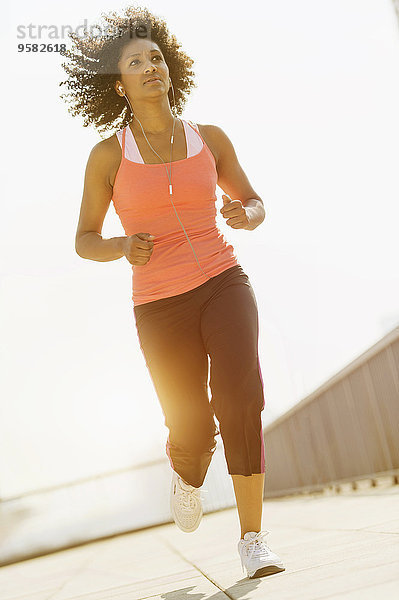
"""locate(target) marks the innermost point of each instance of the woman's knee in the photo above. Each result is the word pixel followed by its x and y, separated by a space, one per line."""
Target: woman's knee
pixel 193 435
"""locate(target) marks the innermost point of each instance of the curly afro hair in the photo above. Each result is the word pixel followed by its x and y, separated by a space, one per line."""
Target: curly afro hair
pixel 93 69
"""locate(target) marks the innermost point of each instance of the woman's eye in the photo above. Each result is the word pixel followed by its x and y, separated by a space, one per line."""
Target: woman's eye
pixel 136 60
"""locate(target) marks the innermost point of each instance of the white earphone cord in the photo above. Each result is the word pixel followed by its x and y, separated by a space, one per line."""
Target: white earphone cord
pixel 169 176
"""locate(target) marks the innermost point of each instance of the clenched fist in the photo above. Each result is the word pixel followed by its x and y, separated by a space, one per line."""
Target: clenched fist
pixel 138 248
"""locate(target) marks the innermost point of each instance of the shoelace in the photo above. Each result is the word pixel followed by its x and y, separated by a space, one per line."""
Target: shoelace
pixel 256 545
pixel 189 498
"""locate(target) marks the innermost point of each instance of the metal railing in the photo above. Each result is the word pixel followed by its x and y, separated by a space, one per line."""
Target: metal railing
pixel 346 430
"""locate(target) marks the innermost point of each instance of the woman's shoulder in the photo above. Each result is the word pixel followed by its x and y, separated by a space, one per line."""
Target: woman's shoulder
pixel 106 156
pixel 201 127
pixel 212 131
pixel 108 145
pixel 108 151
pixel 212 137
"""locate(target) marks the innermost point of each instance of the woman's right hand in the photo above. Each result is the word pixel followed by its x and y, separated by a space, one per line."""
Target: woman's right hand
pixel 138 248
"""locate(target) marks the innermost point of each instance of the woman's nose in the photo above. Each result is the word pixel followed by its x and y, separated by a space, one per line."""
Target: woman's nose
pixel 150 66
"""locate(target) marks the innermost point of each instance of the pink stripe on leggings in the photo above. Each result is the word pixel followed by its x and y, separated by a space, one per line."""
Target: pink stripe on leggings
pixel 261 428
pixel 261 378
pixel 262 451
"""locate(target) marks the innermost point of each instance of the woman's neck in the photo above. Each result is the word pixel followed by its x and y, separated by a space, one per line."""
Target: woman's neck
pixel 153 125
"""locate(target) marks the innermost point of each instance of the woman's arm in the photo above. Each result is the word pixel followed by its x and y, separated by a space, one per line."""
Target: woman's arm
pixel 233 180
pixel 97 194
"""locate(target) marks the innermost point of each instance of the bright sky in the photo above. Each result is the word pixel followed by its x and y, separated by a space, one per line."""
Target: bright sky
pixel 308 93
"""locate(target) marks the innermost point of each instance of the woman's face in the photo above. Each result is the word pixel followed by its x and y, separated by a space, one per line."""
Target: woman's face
pixel 140 60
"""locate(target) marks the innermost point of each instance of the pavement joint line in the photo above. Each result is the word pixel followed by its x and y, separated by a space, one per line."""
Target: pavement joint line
pixel 380 532
pixel 79 569
pixel 173 549
pixel 340 530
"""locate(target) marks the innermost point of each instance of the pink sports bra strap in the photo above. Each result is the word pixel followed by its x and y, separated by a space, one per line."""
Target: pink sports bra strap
pixel 196 130
pixel 123 142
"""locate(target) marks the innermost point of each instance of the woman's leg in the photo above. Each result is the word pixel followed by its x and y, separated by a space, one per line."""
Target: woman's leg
pixel 170 340
pixel 230 332
pixel 249 496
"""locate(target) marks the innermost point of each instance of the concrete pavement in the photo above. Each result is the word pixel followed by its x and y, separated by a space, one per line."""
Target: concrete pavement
pixel 343 546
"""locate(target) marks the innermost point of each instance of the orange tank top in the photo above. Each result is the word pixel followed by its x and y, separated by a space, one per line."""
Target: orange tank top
pixel 143 203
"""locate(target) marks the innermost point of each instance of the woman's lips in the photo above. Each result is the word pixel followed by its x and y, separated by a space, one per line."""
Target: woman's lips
pixel 154 81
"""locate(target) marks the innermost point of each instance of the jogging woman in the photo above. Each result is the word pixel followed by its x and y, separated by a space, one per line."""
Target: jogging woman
pixel 191 298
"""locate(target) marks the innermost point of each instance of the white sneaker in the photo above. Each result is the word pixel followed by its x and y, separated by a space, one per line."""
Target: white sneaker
pixel 257 557
pixel 185 504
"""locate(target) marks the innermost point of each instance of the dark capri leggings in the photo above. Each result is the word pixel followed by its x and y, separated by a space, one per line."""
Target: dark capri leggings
pixel 218 318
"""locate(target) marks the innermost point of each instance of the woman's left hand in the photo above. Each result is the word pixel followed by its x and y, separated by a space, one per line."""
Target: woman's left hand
pixel 236 214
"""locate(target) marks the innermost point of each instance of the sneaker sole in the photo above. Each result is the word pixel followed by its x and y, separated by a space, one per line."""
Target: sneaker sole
pixel 264 571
